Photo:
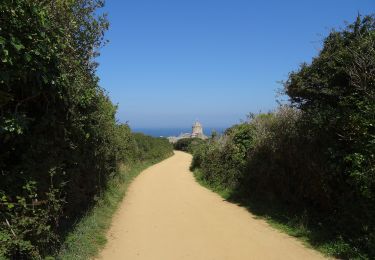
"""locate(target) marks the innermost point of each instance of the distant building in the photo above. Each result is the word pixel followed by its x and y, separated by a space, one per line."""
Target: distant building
pixel 196 132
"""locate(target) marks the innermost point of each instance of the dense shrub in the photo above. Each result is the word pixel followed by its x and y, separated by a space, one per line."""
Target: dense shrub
pixel 59 141
pixel 223 158
pixel 336 92
pixel 284 164
pixel 314 160
pixel 151 148
pixel 188 144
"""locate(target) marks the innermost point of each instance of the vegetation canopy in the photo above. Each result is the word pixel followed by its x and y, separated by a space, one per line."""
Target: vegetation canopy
pixel 313 160
pixel 59 140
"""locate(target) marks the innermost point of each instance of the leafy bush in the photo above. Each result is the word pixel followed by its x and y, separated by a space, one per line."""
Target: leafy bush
pixel 151 148
pixel 223 158
pixel 337 94
pixel 315 159
pixel 188 144
pixel 59 141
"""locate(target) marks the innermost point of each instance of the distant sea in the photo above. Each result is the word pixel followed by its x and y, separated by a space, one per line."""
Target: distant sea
pixel 165 132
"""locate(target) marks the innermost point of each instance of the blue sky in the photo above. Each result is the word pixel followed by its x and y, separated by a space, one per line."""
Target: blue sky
pixel 171 62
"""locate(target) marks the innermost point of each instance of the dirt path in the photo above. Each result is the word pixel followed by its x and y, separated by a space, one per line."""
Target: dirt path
pixel 166 215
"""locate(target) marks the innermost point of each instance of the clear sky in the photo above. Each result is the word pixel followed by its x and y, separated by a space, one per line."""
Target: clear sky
pixel 170 62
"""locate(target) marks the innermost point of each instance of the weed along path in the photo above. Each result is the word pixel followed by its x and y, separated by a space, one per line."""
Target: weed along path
pixel 167 215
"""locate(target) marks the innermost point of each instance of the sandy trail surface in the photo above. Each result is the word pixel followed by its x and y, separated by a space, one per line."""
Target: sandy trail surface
pixel 167 215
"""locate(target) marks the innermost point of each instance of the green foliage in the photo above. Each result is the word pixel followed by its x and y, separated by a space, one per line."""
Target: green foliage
pixel 230 148
pixel 151 148
pixel 313 161
pixel 337 94
pixel 59 140
pixel 188 144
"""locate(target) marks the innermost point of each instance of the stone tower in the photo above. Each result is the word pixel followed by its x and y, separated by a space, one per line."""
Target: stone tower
pixel 197 130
